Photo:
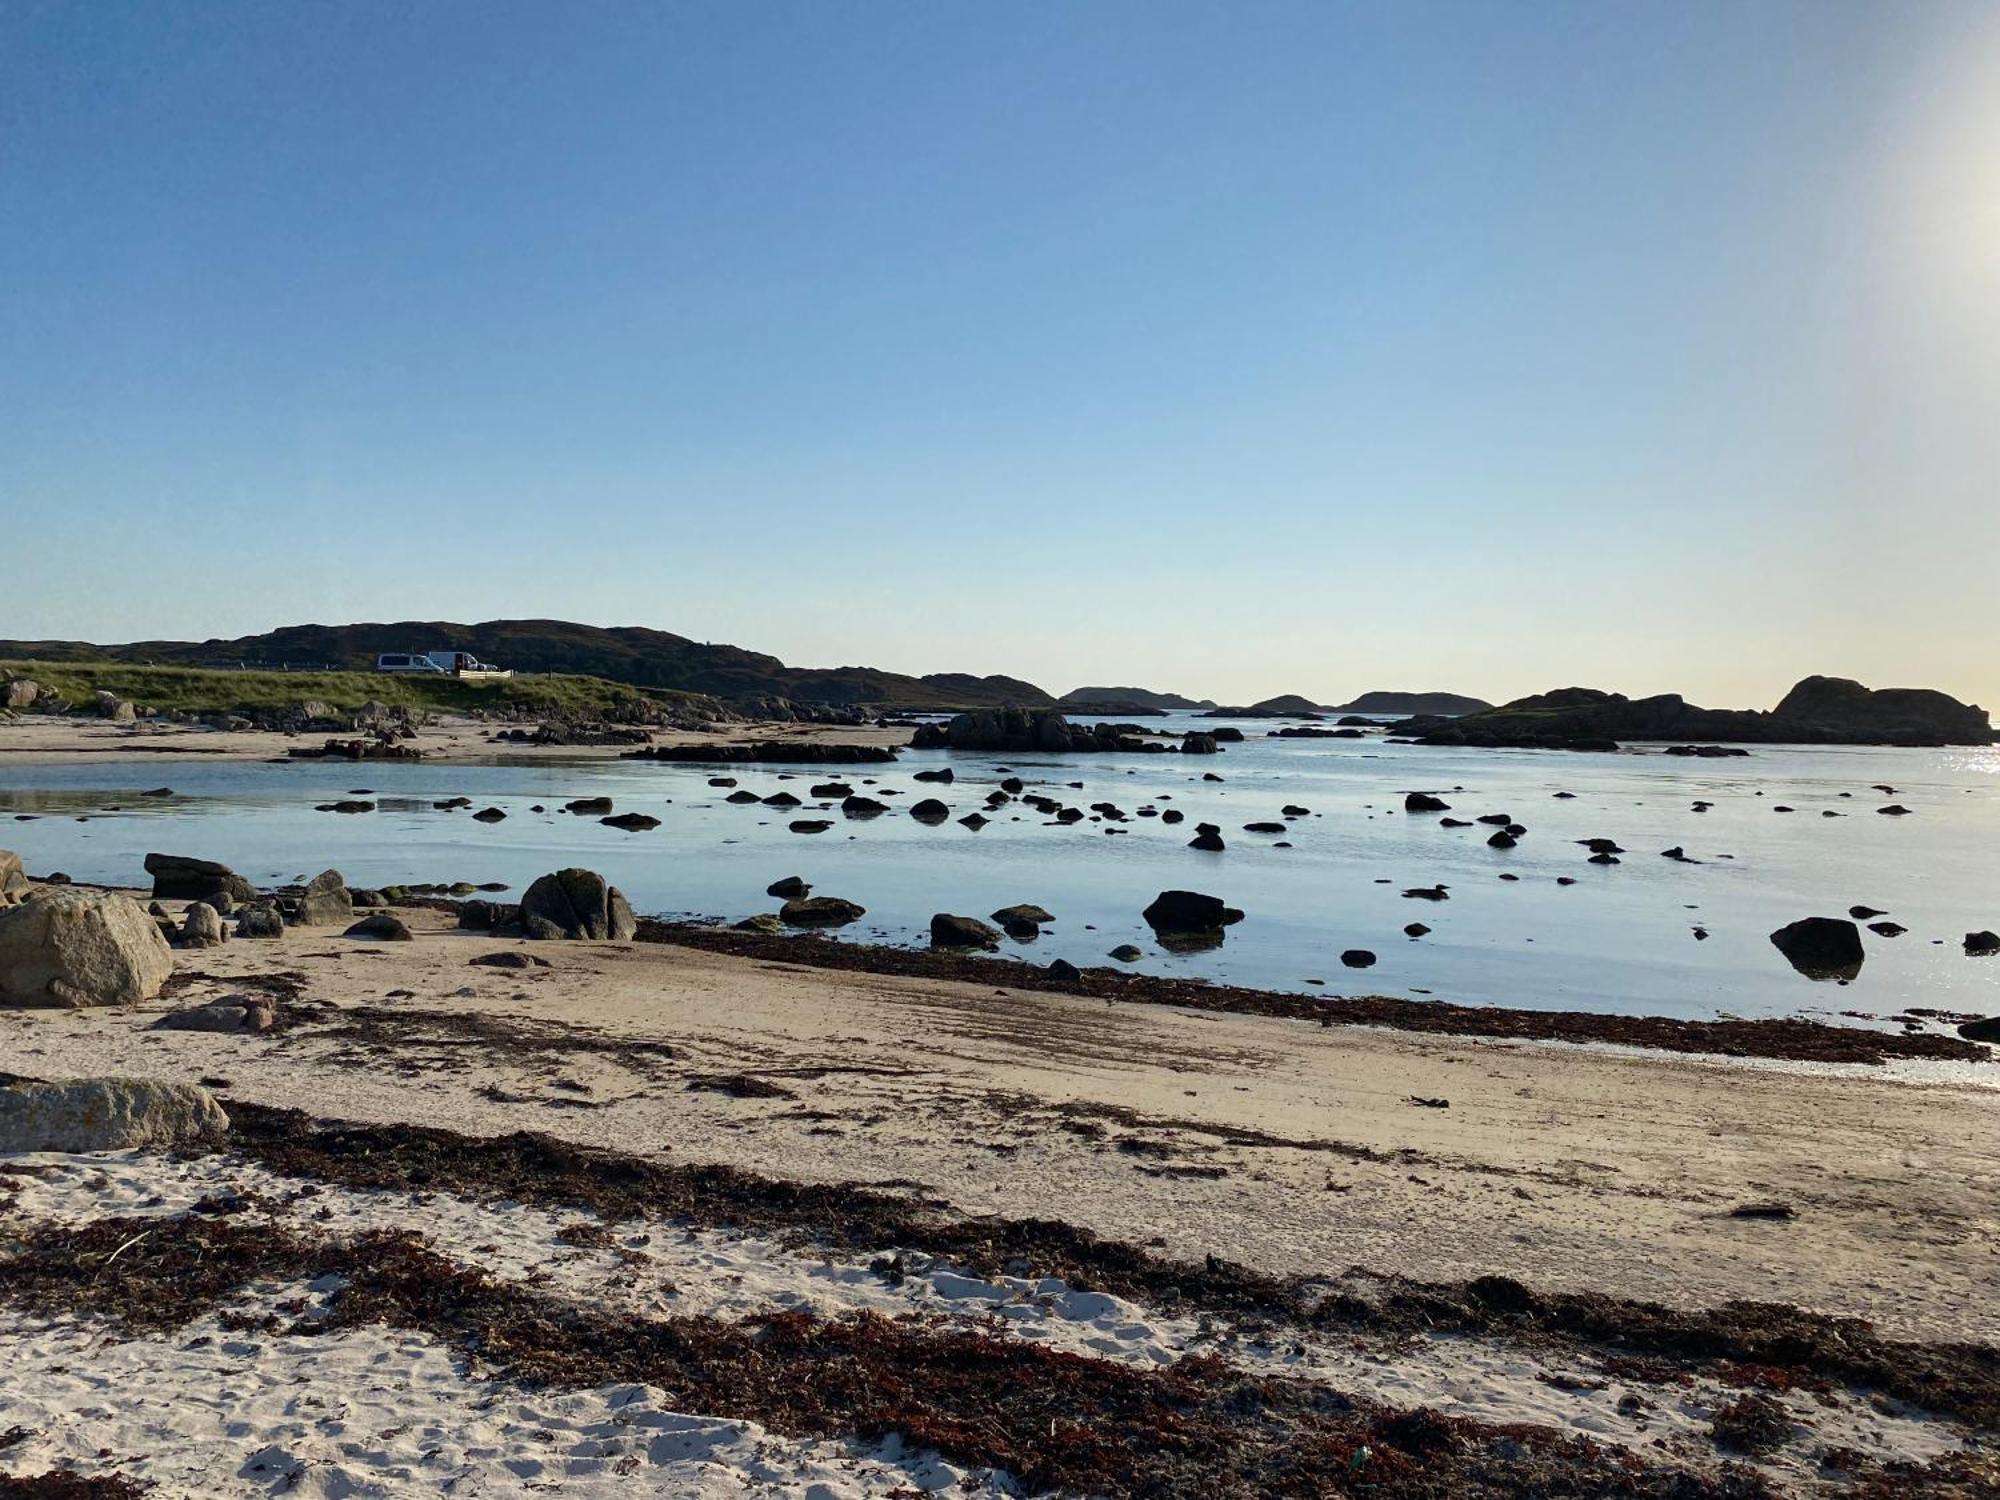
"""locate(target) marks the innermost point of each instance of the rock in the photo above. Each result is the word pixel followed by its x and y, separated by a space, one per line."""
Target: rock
pixel 1126 953
pixel 1894 810
pixel 1986 1029
pixel 180 877
pixel 577 903
pixel 1189 912
pixel 1428 893
pixel 781 799
pixel 975 821
pixel 593 806
pixel 71 947
pixel 1358 958
pixel 1265 828
pixel 201 927
pixel 820 911
pixel 1064 970
pixel 113 707
pixel 833 790
pixel 382 927
pixel 809 825
pixel 862 807
pixel 631 822
pixel 488 815
pixel 232 1013
pixel 1863 913
pixel 1887 929
pixel 768 923
pixel 1821 947
pixel 722 781
pixel 345 807
pixel 259 922
pixel 1021 932
pixel 325 901
pixel 1207 842
pixel 1172 815
pixel 946 775
pixel 1418 802
pixel 1982 944
pixel 19 693
pixel 948 931
pixel 13 879
pixel 509 958
pixel 1293 810
pixel 1195 742
pixel 485 916
pixel 789 889
pixel 107 1114
pixel 1415 929
pixel 930 810
pixel 1501 840
pixel 1454 822
pixel 1024 912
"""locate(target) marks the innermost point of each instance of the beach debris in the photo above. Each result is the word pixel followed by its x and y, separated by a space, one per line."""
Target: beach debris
pixel 106 1114
pixel 576 903
pixel 949 931
pixel 70 947
pixel 1421 1102
pixel 1753 1423
pixel 1821 947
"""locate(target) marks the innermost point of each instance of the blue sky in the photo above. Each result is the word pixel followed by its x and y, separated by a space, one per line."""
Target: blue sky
pixel 1233 349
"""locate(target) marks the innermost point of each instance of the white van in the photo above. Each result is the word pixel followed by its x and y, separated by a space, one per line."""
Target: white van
pixel 406 661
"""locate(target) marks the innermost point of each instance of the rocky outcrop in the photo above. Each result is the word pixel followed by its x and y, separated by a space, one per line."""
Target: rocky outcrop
pixel 1023 731
pixel 324 902
pixel 1448 704
pixel 107 1114
pixel 577 904
pixel 181 877
pixel 1183 912
pixel 769 752
pixel 1818 711
pixel 1127 700
pixel 18 693
pixel 71 947
pixel 1821 947
pixel 820 911
pixel 948 931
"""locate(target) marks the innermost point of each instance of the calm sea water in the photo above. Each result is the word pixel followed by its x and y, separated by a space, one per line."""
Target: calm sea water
pixel 1620 939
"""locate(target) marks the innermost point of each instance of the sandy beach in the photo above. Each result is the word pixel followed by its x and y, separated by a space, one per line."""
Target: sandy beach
pixel 1304 1155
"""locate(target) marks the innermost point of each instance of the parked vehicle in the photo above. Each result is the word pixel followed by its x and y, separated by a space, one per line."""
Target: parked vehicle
pixel 407 661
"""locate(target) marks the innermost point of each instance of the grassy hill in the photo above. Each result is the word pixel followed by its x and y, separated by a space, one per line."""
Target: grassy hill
pixel 628 654
pixel 199 690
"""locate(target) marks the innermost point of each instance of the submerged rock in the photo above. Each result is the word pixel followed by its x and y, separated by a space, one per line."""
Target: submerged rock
pixel 949 931
pixel 820 911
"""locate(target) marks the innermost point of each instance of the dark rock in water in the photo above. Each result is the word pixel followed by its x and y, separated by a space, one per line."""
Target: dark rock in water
pixel 1565 880
pixel 1194 742
pixel 948 931
pixel 1887 929
pixel 788 889
pixel 1207 843
pixel 1863 913
pixel 1424 802
pixel 742 798
pixel 974 821
pixel 1499 820
pixel 768 923
pixel 1189 911
pixel 1172 815
pixel 862 807
pixel 1454 823
pixel 382 927
pixel 1358 958
pixel 1604 859
pixel 1265 828
pixel 1986 1029
pixel 512 958
pixel 810 825
pixel 180 877
pixel 1014 786
pixel 1501 839
pixel 259 922
pixel 452 804
pixel 489 815
pixel 1982 944
pixel 1069 815
pixel 722 781
pixel 945 775
pixel 631 822
pixel 577 903
pixel 1822 947
pixel 345 807
pixel 1293 810
pixel 1601 846
pixel 1894 810
pixel 1126 953
pixel 1706 752
pixel 820 911
pixel 770 752
pixel 1416 929
pixel 1427 893
pixel 1021 932
pixel 781 799
pixel 588 805
pixel 1024 912
pixel 930 810
pixel 1678 855
pixel 1063 969
pixel 833 790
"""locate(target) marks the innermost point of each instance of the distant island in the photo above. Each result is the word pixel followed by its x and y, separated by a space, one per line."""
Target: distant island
pixel 1412 703
pixel 1128 700
pixel 1817 711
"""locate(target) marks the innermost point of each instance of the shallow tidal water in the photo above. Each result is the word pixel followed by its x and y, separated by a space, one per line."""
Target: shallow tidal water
pixel 1620 939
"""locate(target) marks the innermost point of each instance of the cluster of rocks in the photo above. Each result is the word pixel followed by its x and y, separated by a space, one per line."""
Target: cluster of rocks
pixel 771 752
pixel 1048 732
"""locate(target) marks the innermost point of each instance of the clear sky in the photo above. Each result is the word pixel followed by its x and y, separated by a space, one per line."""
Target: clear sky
pixel 1232 348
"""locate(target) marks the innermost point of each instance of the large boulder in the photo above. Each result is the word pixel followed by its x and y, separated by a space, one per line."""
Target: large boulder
pixel 113 707
pixel 325 901
pixel 201 927
pixel 71 947
pixel 820 911
pixel 107 1114
pixel 181 877
pixel 1821 947
pixel 948 931
pixel 13 879
pixel 1175 912
pixel 577 904
pixel 19 692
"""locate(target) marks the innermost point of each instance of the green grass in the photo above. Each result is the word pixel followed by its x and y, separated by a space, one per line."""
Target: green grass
pixel 195 690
